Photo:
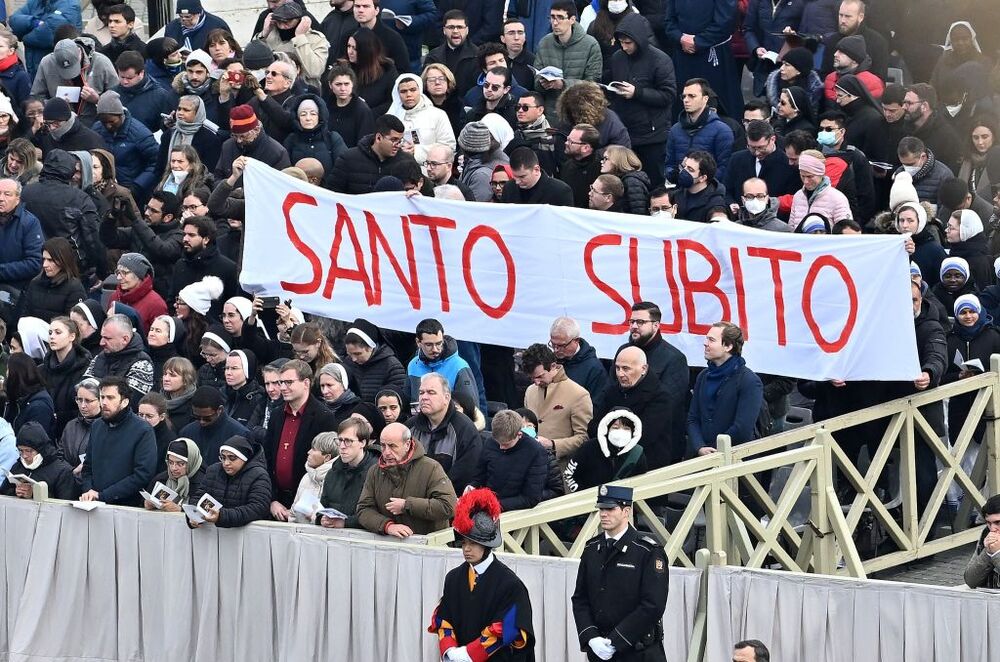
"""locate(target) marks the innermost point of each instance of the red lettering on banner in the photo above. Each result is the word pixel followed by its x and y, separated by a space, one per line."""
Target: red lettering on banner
pixel 291 200
pixel 741 295
pixel 433 223
pixel 852 297
pixel 375 236
pixel 610 292
pixel 633 268
pixel 486 232
pixel 337 271
pixel 675 293
pixel 775 256
pixel 709 285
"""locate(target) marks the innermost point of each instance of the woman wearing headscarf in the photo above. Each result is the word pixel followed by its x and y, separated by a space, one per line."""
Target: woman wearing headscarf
pixel 817 194
pixel 75 437
pixel 795 70
pixel 164 339
pixel 955 281
pixel 960 47
pixel 183 475
pixel 41 462
pixel 246 400
pixel 424 123
pixel 972 338
pixel 615 453
pixel 105 182
pixel 373 365
pixel 794 112
pixel 191 127
pixel 866 127
pixel 967 240
pixel 311 136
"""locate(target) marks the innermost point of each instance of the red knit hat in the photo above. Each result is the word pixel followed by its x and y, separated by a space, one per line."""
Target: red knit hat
pixel 242 119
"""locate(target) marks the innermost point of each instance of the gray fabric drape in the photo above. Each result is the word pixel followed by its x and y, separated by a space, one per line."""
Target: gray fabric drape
pixel 828 619
pixel 123 584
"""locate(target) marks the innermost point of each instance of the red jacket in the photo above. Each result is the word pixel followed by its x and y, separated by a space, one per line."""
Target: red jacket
pixel 867 78
pixel 146 302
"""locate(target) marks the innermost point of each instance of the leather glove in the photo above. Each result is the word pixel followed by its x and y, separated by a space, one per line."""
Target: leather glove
pixel 457 654
pixel 602 647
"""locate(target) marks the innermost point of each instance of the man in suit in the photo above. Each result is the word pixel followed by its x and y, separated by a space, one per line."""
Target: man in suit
pixel 290 433
pixel 761 159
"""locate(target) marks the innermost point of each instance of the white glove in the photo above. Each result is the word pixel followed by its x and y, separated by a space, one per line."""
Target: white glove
pixel 457 654
pixel 602 647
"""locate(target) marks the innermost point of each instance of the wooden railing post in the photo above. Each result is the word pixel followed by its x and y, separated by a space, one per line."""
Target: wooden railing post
pixel 724 444
pixel 699 633
pixel 991 438
pixel 908 480
pixel 822 478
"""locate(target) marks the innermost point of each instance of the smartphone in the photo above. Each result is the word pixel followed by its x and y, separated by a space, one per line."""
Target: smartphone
pixel 270 302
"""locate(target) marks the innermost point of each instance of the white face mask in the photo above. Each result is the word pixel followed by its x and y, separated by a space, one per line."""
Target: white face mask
pixel 954 110
pixel 34 464
pixel 617 6
pixel 911 170
pixel 619 437
pixel 755 206
pixel 662 215
pixel 179 175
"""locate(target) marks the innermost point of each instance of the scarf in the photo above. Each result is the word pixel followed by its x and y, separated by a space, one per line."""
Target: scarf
pixel 715 375
pixel 823 185
pixel 187 32
pixel 184 131
pixel 536 130
pixel 182 485
pixel 970 333
pixel 8 62
pixel 201 89
pixel 57 134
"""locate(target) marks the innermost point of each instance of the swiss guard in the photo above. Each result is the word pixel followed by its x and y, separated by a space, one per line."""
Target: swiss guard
pixel 621 587
pixel 485 612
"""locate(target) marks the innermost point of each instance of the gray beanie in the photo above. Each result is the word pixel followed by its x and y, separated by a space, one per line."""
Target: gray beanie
pixel 136 263
pixel 474 138
pixel 110 104
pixel 257 55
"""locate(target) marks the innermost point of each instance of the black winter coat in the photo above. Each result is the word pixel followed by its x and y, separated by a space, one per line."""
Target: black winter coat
pixel 132 363
pixel 319 143
pixel 121 459
pixel 932 348
pixel 636 198
pixel 977 253
pixel 647 115
pixel 264 148
pixel 66 211
pixel 214 376
pixel 46 298
pixel 61 379
pixel 548 191
pixel 378 93
pixel 380 371
pixel 342 487
pixel 868 131
pixel 147 101
pixel 77 138
pixel 54 471
pixel 578 174
pixel 358 169
pixel 246 405
pixel 653 404
pixel 353 122
pixel 210 438
pixel 37 407
pixel 245 497
pixel 160 243
pixel 455 444
pixel 517 475
pixel 206 262
pixel 316 418
pixel 207 142
pixel 164 435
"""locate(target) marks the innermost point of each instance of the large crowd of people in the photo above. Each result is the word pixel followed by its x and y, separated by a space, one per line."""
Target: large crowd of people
pixel 134 359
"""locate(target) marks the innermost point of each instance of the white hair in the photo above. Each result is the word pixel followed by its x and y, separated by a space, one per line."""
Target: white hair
pixel 567 325
pixel 448 192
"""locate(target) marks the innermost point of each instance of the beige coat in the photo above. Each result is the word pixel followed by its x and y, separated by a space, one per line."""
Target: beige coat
pixel 564 411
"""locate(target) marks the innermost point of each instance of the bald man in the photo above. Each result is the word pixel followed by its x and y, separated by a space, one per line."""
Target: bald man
pixel 637 389
pixel 427 500
pixel 313 169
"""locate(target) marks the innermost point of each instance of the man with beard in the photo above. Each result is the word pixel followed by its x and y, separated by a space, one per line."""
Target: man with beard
pixel 157 235
pixel 925 122
pixel 496 98
pixel 123 355
pixel 666 363
pixel 249 139
pixel 121 456
pixel 195 79
pixel 201 257
pixel 850 21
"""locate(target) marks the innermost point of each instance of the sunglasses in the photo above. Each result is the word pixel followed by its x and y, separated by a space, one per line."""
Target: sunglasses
pixel 525 107
pixel 492 86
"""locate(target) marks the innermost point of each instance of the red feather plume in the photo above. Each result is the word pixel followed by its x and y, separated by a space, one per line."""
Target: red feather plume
pixel 482 499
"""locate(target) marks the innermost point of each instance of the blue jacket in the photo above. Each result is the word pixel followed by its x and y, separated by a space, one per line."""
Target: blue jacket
pixel 20 248
pixel 196 36
pixel 761 25
pixel 121 459
pixel 709 133
pixel 135 151
pixel 146 101
pixel 733 410
pixel 39 408
pixel 36 22
pixel 516 475
pixel 585 369
pixel 161 74
pixel 209 439
pixel 452 366
pixel 17 84
pixel 424 14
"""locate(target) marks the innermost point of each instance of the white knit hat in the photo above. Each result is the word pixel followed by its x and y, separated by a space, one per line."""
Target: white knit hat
pixel 200 294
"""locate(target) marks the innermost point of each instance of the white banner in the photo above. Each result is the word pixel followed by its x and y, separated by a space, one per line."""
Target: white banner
pixel 811 307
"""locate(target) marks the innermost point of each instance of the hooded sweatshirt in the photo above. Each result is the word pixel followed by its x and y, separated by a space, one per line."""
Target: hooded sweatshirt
pixel 424 123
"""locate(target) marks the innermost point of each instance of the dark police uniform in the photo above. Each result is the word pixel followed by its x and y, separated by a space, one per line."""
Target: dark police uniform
pixel 621 592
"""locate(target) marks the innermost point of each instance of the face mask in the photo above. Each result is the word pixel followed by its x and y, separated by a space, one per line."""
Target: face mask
pixel 530 431
pixel 618 438
pixel 617 6
pixel 755 206
pixel 827 138
pixel 685 179
pixel 954 110
pixel 661 214
pixel 34 464
pixel 179 175
pixel 911 170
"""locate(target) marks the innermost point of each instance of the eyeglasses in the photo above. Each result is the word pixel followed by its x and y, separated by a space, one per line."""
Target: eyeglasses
pixel 275 72
pixel 561 345
pixel 498 184
pixel 525 107
pixel 604 159
pixel 435 164
pixel 455 28
pixel 227 457
pixel 287 382
pixel 394 141
pixel 122 272
pixel 84 401
pixel 346 441
pixel 755 196
pixel 557 19
pixel 435 79
pixel 495 87
pixel 635 322
pixel 598 192
pixel 190 207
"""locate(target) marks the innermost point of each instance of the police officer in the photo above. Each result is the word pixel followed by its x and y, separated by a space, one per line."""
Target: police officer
pixel 621 587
